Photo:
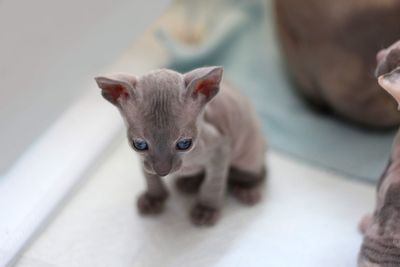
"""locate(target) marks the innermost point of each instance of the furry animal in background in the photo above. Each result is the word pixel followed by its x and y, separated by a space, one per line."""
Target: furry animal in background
pixel 189 125
pixel 330 49
pixel 381 244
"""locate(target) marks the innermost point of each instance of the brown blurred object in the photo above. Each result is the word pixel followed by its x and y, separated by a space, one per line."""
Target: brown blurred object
pixel 330 48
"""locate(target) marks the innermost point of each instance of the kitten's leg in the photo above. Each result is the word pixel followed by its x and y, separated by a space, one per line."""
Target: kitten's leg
pixel 152 200
pixel 246 185
pixel 206 210
pixel 248 171
pixel 190 184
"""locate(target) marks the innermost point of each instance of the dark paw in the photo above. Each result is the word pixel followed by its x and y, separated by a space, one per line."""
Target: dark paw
pixel 246 186
pixel 240 178
pixel 248 196
pixel 189 184
pixel 202 215
pixel 149 204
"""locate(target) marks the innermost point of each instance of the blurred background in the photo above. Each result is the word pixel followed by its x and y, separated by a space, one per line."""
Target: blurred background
pixel 48 50
pixel 68 179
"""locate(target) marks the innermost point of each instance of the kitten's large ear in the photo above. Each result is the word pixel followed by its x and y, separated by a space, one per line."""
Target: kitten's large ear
pixel 391 83
pixel 388 59
pixel 203 83
pixel 116 87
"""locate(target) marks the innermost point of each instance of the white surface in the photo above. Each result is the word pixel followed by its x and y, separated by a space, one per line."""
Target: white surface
pixel 307 218
pixel 50 168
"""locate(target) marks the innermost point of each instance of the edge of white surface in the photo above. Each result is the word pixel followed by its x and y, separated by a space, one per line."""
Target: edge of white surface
pixel 50 169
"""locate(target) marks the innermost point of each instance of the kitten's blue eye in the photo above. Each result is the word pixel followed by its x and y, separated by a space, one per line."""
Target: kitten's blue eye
pixel 140 144
pixel 184 144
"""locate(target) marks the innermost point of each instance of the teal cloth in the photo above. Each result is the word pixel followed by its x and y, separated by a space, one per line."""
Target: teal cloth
pixel 243 42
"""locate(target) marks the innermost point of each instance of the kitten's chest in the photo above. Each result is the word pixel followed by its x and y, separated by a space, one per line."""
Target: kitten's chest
pixel 195 161
pixel 391 175
pixel 396 147
pixel 209 141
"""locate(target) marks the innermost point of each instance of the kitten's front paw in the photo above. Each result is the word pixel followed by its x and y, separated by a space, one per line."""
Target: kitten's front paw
pixel 148 204
pixel 203 215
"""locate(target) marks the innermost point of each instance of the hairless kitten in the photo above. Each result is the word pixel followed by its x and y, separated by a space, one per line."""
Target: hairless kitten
pixel 381 245
pixel 189 125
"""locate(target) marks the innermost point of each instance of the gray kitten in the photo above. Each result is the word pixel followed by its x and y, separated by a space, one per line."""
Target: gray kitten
pixel 381 244
pixel 189 125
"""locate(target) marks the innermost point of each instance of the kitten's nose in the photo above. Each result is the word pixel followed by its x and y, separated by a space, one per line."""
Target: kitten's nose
pixel 162 168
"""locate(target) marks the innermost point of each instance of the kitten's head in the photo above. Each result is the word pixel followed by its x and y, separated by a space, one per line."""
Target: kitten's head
pixel 161 111
pixel 388 70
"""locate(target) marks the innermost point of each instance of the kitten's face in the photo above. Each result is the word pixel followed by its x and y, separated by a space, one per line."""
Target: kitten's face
pixel 161 149
pixel 161 111
pixel 161 126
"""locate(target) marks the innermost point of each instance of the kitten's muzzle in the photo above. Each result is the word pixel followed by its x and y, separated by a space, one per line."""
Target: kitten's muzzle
pixel 163 168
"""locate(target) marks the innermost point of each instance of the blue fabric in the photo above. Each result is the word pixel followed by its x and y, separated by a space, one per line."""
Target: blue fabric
pixel 243 42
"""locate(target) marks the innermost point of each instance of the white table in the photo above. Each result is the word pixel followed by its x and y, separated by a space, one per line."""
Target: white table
pixel 308 217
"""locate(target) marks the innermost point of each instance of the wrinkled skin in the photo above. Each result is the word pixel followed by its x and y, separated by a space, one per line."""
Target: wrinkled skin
pixel 381 244
pixel 330 49
pixel 163 107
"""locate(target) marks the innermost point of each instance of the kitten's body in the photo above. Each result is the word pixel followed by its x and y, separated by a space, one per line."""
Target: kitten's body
pixel 381 244
pixel 229 125
pixel 230 121
pixel 164 107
